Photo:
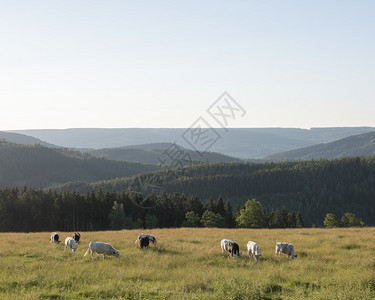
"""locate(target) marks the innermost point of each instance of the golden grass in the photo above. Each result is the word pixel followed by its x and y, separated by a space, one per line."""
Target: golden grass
pixel 188 263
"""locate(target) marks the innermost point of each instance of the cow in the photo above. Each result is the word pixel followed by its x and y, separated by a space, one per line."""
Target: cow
pixel 144 242
pixel 77 237
pixel 231 247
pixel 254 250
pixel 102 248
pixel 285 248
pixel 55 237
pixel 70 243
pixel 151 238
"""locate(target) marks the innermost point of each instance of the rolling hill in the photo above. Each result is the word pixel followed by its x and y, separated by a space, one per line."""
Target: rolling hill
pixel 159 153
pixel 23 139
pixel 245 143
pixel 355 145
pixel 39 166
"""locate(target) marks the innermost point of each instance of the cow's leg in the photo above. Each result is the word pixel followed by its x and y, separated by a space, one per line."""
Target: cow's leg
pixel 92 255
pixel 103 256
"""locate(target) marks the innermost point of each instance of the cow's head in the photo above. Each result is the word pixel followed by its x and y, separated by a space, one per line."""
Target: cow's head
pixel 56 238
pixel 76 237
pixel 116 253
pixel 257 257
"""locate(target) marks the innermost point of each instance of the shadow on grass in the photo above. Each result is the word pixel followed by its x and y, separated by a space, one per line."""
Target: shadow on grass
pixel 162 250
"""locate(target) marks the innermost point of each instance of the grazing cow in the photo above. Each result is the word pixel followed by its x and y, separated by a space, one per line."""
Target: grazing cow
pixel 101 248
pixel 70 243
pixel 55 237
pixel 151 238
pixel 254 250
pixel 231 247
pixel 144 242
pixel 285 248
pixel 77 237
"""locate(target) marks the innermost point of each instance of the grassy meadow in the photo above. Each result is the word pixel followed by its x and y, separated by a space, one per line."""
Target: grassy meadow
pixel 188 263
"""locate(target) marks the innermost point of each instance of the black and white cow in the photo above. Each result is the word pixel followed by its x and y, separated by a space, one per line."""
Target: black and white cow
pixel 144 242
pixel 231 247
pixel 55 237
pixel 151 238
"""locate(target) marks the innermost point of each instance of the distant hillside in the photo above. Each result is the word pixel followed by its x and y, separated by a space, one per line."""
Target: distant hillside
pixel 39 166
pixel 23 139
pixel 356 145
pixel 159 153
pixel 245 143
pixel 312 187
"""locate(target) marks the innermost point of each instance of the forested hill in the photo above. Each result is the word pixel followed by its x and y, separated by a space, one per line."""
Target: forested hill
pixel 23 139
pixel 356 145
pixel 159 153
pixel 312 187
pixel 35 165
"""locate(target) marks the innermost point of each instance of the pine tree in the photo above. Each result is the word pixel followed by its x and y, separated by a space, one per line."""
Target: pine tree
pixel 299 220
pixel 117 216
pixel 292 220
pixel 211 205
pixel 229 219
pixel 220 209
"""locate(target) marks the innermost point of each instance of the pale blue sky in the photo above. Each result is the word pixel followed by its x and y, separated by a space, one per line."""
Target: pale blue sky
pixel 66 64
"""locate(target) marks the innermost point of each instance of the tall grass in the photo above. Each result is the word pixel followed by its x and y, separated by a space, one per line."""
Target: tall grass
pixel 188 263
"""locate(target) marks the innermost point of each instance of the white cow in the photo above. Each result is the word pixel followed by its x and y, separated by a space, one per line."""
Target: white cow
pixel 102 248
pixel 151 238
pixel 231 247
pixel 254 250
pixel 70 243
pixel 285 248
pixel 55 237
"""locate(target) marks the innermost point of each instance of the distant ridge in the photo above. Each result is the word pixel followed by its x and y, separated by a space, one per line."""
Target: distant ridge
pixel 23 139
pixel 244 143
pixel 156 153
pixel 39 166
pixel 355 145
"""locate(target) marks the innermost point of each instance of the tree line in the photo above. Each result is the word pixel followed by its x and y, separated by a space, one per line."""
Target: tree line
pixel 311 187
pixel 24 210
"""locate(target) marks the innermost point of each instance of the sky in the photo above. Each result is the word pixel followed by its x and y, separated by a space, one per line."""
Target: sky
pixel 121 64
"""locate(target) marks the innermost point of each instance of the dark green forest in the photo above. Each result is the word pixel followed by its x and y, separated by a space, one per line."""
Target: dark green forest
pixel 312 187
pixel 28 210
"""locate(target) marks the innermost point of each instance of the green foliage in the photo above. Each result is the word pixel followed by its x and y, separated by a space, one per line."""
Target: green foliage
pixel 117 216
pixel 210 219
pixel 299 220
pixel 151 221
pixel 347 220
pixel 351 220
pixel 331 221
pixel 192 219
pixel 252 215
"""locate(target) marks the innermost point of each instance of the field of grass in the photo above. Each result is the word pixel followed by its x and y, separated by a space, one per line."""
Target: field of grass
pixel 188 263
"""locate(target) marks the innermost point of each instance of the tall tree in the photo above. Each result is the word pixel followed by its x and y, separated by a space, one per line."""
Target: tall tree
pixel 220 208
pixel 299 220
pixel 229 220
pixel 252 215
pixel 331 221
pixel 117 216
